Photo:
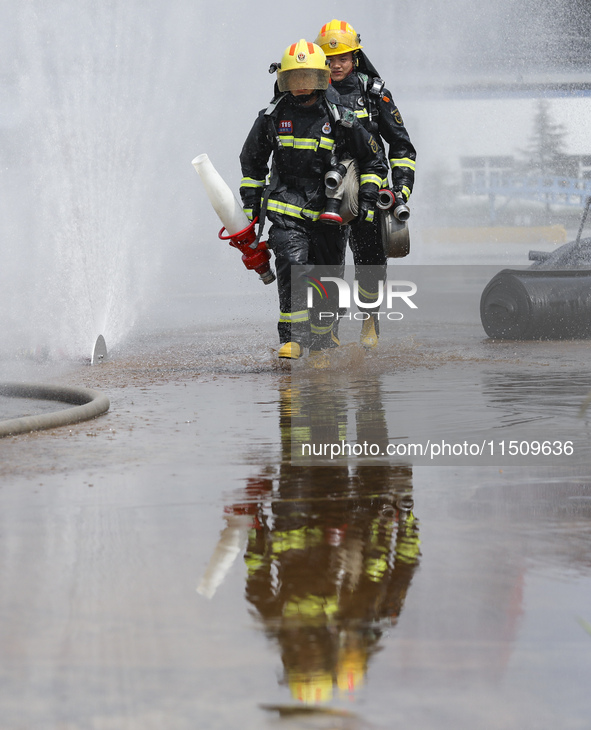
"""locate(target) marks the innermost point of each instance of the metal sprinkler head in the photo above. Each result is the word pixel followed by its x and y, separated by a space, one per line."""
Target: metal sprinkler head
pixel 99 353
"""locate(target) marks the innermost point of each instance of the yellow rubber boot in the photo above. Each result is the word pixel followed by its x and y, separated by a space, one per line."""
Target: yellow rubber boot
pixel 290 350
pixel 369 336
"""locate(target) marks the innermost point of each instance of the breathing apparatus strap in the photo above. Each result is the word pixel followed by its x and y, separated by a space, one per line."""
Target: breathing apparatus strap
pixel 365 66
pixel 275 101
pixel 270 186
pixel 374 90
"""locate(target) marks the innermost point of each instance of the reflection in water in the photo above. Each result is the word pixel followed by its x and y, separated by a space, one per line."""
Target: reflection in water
pixel 331 550
pixel 541 394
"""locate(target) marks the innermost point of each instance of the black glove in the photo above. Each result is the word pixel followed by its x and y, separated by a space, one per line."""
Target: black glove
pixel 251 205
pixel 400 209
pixel 367 206
pixel 366 213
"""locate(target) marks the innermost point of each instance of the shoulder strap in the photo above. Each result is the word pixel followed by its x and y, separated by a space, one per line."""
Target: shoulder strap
pixel 377 87
pixel 269 112
pixel 265 202
pixel 373 86
pixel 341 115
pixel 373 89
pixel 274 136
pixel 333 111
pixel 275 101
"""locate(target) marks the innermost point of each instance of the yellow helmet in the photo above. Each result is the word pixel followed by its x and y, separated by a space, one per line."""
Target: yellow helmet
pixel 338 37
pixel 303 66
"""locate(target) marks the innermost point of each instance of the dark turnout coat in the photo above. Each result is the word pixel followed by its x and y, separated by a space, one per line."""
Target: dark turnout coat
pixel 380 116
pixel 303 140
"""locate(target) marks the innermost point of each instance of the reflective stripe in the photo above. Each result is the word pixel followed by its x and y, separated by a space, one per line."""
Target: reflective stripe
pixel 408 550
pixel 278 206
pixel 301 143
pixel 248 212
pixel 299 539
pixel 249 182
pixel 368 178
pixel 320 330
pixel 253 562
pixel 301 434
pixel 370 295
pixel 311 607
pixel 288 140
pixel 375 568
pixel 406 191
pixel 361 113
pixel 402 162
pixel 301 316
pixel 369 216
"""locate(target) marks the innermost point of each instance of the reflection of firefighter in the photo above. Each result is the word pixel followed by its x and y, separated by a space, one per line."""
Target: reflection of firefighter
pixel 330 553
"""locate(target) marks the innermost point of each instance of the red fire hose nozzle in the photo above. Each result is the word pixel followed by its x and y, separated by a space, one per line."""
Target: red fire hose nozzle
pixel 256 258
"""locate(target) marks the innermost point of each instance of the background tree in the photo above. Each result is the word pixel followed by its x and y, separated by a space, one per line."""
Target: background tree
pixel 546 152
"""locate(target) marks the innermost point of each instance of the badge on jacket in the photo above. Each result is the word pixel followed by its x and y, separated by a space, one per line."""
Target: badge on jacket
pixel 326 129
pixel 396 115
pixel 285 126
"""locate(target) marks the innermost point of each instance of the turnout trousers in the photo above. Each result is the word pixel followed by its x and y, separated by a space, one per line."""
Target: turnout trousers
pixel 369 257
pixel 299 247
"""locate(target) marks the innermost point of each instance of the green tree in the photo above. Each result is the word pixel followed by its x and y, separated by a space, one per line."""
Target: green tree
pixel 546 153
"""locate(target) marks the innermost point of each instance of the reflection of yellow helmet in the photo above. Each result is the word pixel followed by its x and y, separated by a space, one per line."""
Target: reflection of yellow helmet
pixel 303 66
pixel 352 667
pixel 338 37
pixel 312 688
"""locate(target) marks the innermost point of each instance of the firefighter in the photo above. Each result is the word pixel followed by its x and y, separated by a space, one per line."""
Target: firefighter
pixel 305 128
pixel 359 86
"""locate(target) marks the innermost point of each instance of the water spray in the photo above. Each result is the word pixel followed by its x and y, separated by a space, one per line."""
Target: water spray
pixel 241 233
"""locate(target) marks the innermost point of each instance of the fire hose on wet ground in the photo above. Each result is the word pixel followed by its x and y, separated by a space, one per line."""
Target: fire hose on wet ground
pixel 86 404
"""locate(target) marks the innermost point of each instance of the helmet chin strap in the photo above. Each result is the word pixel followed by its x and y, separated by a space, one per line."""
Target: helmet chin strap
pixel 305 98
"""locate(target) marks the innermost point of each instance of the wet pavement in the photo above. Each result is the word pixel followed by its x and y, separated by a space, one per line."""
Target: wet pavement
pixel 171 564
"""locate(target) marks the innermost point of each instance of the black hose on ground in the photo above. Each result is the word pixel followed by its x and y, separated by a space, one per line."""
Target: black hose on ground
pixel 88 404
pixel 537 305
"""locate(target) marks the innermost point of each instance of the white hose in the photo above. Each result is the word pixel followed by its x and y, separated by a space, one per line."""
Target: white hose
pixel 349 209
pixel 220 196
pixel 88 404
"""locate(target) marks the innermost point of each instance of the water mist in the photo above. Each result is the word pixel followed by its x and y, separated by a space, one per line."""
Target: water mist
pixel 81 250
